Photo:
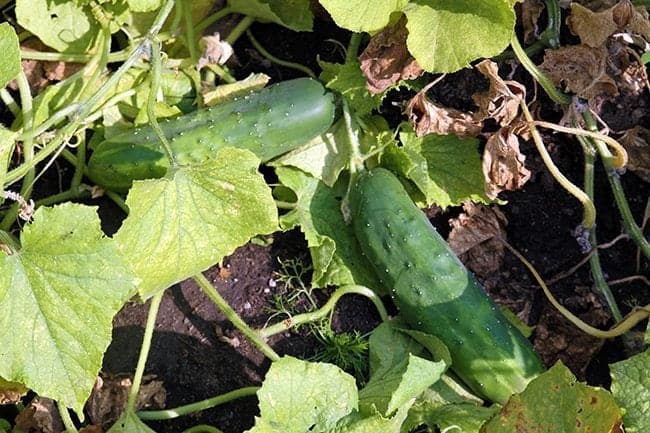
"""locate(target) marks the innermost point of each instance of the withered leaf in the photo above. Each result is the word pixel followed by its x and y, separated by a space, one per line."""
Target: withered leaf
pixel 582 70
pixel 475 238
pixel 529 13
pixel 386 60
pixel 430 118
pixel 41 416
pixel 636 142
pixel 11 392
pixel 215 51
pixel 503 163
pixel 501 101
pixel 111 392
pixel 593 28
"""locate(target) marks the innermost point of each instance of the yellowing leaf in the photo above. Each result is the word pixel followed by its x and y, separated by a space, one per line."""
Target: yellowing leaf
pixel 557 402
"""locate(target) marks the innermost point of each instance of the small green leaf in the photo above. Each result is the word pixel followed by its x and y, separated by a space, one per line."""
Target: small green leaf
pixel 392 387
pixel 362 15
pixel 144 5
pixel 293 14
pixel 446 35
pixel 181 225
pixel 348 80
pixel 336 257
pixel 60 24
pixel 375 422
pixel 58 296
pixel 324 157
pixel 10 49
pixel 299 396
pixel 631 389
pixel 556 402
pixel 446 169
pixel 462 417
pixel 129 423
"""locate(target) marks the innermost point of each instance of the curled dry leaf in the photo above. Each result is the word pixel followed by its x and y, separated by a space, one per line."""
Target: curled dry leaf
pixel 41 74
pixel 582 70
pixel 503 163
pixel 636 142
pixel 475 237
pixel 41 416
pixel 11 392
pixel 429 118
pixel 501 101
pixel 215 51
pixel 111 392
pixel 529 12
pixel 594 28
pixel 386 59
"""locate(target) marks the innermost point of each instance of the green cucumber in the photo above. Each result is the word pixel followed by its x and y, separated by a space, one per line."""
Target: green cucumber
pixel 269 122
pixel 434 291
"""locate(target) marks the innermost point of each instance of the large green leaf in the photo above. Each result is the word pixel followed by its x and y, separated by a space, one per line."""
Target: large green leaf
pixel 348 80
pixel 299 396
pixel 61 24
pixel 362 15
pixel 631 389
pixel 185 223
pixel 557 402
pixel 446 35
pixel 293 14
pixel 10 62
pixel 336 256
pixel 58 296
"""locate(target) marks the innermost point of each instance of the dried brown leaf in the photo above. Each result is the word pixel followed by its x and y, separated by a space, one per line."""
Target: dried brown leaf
pixel 529 13
pixel 92 429
pixel 636 142
pixel 41 416
pixel 11 392
pixel 475 238
pixel 41 74
pixel 503 163
pixel 430 118
pixel 386 60
pixel 582 70
pixel 594 28
pixel 215 51
pixel 501 101
pixel 110 394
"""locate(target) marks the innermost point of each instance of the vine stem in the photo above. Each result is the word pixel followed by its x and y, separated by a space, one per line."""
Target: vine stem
pixel 630 225
pixel 234 318
pixel 314 316
pixel 65 417
pixel 589 218
pixel 156 65
pixel 144 350
pixel 619 329
pixel 239 29
pixel 150 415
pixel 272 58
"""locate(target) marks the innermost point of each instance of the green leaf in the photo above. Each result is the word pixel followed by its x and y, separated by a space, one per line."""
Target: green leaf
pixel 556 402
pixel 390 388
pixel 299 396
pixel 631 389
pixel 465 417
pixel 446 169
pixel 58 296
pixel 446 35
pixel 336 256
pixel 144 5
pixel 374 423
pixel 362 15
pixel 129 423
pixel 323 158
pixel 10 49
pixel 348 80
pixel 185 223
pixel 64 25
pixel 293 14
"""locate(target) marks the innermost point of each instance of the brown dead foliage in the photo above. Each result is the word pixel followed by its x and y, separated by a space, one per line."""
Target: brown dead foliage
pixel 636 142
pixel 41 416
pixel 501 101
pixel 386 59
pixel 503 163
pixel 475 237
pixel 528 13
pixel 594 28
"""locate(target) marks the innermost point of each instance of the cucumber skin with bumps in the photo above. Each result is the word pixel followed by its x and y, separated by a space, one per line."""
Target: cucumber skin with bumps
pixel 434 291
pixel 269 122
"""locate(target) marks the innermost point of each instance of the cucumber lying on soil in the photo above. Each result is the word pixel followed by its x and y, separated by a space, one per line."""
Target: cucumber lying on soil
pixel 434 291
pixel 269 122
